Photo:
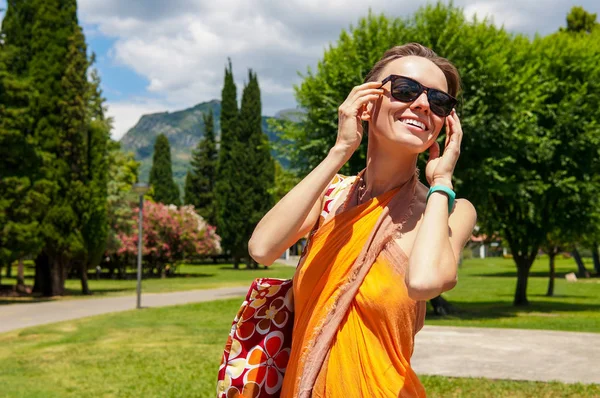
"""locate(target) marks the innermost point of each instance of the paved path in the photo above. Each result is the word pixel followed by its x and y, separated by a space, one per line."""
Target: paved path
pixel 440 350
pixel 17 316
pixel 514 354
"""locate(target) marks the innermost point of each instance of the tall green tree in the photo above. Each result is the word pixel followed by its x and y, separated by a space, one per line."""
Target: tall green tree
pixel 200 179
pixel 45 35
pixel 22 200
pixel 257 163
pixel 230 211
pixel 95 219
pixel 161 174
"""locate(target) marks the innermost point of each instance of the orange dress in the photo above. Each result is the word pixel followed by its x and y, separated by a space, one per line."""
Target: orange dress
pixel 353 343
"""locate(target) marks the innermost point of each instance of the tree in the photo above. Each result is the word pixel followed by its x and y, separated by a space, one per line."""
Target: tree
pixel 55 61
pixel 231 220
pixel 579 20
pixel 23 196
pixel 571 108
pixel 257 163
pixel 200 179
pixel 161 174
pixel 95 220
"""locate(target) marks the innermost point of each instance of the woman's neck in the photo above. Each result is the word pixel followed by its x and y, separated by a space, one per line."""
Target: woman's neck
pixel 386 170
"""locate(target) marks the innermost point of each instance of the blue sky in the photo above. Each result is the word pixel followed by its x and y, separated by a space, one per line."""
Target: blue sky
pixel 158 55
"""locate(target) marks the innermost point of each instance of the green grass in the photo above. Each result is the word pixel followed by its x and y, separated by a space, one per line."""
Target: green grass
pixel 486 288
pixel 483 296
pixel 170 352
pixel 188 277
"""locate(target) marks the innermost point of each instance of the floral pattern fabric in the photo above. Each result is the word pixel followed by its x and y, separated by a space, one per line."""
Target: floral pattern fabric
pixel 335 188
pixel 258 347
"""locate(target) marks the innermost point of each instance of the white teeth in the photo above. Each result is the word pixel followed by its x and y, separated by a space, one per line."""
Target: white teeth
pixel 414 122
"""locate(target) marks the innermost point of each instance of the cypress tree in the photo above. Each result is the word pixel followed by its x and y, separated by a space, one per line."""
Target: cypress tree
pixel 256 162
pixel 51 56
pixel 21 199
pixel 200 180
pixel 66 95
pixel 228 190
pixel 161 174
pixel 95 222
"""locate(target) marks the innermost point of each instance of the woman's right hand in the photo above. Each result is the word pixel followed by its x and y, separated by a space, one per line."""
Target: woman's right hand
pixel 352 113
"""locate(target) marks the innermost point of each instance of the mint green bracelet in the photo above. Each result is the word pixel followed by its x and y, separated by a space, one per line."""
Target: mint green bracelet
pixel 447 191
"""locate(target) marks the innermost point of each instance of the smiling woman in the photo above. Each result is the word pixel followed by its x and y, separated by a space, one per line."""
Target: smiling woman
pixel 380 243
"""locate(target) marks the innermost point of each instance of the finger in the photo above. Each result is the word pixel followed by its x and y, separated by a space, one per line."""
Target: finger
pixel 355 108
pixel 361 101
pixel 448 133
pixel 364 86
pixel 362 93
pixel 456 127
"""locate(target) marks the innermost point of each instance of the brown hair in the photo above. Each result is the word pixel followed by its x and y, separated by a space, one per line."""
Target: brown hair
pixel 450 71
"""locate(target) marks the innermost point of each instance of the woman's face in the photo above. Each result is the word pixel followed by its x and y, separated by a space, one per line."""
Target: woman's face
pixel 390 119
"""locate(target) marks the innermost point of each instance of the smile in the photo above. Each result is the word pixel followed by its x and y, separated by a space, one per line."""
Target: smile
pixel 413 122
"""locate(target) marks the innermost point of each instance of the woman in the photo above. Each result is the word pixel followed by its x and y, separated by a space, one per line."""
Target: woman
pixel 382 244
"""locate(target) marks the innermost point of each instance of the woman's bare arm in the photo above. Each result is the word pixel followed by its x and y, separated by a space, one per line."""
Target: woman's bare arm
pixel 298 211
pixel 433 261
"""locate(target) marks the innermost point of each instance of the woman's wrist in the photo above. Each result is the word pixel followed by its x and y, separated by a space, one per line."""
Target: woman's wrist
pixel 447 182
pixel 340 154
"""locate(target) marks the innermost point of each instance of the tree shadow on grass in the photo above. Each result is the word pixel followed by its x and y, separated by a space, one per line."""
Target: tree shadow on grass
pixel 503 309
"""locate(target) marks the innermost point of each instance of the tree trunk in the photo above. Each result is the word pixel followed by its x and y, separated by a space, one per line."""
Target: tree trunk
pixel 522 276
pixel 21 273
pixel 236 262
pixel 49 276
pixel 596 258
pixel 441 306
pixel 9 269
pixel 83 275
pixel 582 272
pixel 551 256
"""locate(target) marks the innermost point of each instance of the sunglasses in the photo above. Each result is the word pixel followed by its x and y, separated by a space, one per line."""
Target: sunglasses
pixel 406 89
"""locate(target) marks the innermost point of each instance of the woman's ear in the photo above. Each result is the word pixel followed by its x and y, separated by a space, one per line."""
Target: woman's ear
pixel 367 111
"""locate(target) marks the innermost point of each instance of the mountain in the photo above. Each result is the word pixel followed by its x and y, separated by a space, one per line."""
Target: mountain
pixel 183 129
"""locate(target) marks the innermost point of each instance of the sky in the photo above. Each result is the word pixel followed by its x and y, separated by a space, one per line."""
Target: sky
pixel 159 55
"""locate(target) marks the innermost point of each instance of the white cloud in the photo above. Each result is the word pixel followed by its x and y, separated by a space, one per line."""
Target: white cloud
pixel 126 114
pixel 181 46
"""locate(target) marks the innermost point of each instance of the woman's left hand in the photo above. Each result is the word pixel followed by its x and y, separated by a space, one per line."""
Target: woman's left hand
pixel 439 170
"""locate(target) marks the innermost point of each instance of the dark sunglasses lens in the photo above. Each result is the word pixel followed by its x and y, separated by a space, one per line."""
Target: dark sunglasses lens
pixel 405 90
pixel 440 102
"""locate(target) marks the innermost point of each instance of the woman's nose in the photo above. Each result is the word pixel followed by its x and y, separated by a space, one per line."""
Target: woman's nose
pixel 421 103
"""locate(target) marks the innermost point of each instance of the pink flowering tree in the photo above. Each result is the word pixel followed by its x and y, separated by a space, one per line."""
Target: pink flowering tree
pixel 170 235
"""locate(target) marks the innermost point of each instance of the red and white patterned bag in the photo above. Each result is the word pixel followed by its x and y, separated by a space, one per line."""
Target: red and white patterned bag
pixel 259 344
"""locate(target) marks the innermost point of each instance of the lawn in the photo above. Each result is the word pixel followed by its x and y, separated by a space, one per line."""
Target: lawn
pixel 187 277
pixel 170 352
pixel 486 288
pixel 483 296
